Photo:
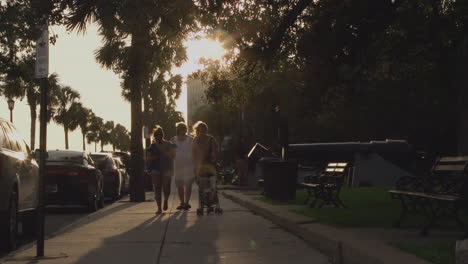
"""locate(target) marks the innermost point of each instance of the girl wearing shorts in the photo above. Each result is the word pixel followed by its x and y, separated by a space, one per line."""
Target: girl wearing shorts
pixel 160 163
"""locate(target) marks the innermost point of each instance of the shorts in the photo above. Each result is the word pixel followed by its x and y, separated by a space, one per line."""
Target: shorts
pixel 164 176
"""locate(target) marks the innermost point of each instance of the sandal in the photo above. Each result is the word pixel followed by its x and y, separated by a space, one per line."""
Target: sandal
pixel 158 212
pixel 187 206
pixel 165 206
pixel 180 207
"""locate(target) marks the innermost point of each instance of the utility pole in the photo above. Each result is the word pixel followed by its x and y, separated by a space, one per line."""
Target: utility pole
pixel 42 73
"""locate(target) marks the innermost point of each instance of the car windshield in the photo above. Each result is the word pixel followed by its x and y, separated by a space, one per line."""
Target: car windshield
pixel 57 156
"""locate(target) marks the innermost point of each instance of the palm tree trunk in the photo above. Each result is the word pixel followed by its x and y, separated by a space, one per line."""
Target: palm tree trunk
pixel 32 110
pixel 113 147
pixel 84 142
pixel 136 73
pixel 95 146
pixel 102 145
pixel 65 128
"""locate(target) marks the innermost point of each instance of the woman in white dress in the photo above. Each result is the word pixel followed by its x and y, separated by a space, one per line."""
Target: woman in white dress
pixel 184 170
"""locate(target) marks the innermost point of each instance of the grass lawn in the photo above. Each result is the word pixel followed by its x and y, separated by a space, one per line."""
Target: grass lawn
pixel 366 207
pixel 438 252
pixel 373 207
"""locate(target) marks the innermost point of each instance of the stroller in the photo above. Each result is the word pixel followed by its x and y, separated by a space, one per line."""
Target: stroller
pixel 208 194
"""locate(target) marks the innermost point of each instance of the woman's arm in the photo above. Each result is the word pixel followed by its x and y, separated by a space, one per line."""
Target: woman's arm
pixel 172 151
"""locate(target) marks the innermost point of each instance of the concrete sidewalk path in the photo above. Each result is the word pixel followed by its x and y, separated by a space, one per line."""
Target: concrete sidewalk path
pixel 131 233
pixel 343 245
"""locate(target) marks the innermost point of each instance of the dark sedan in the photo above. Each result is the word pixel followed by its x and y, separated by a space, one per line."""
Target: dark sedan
pixel 73 179
pixel 19 185
pixel 113 178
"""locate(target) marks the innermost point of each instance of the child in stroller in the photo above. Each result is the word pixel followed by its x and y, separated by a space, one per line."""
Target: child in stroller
pixel 207 192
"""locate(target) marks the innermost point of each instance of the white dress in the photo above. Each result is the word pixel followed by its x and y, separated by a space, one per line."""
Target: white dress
pixel 183 164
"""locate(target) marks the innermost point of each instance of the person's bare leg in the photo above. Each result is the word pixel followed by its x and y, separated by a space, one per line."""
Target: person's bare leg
pixel 180 190
pixel 157 186
pixel 166 189
pixel 188 192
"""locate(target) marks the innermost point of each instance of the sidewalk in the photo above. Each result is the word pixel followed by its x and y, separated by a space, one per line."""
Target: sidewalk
pixel 344 245
pixel 127 232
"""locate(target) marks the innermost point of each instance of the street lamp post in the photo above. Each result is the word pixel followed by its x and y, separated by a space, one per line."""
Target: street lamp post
pixel 11 105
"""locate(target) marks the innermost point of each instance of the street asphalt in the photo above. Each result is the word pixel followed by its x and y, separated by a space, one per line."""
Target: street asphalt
pixel 127 232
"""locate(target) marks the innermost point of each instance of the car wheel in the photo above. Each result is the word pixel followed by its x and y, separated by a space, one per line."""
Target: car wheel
pixel 94 204
pixel 101 200
pixel 29 223
pixel 9 225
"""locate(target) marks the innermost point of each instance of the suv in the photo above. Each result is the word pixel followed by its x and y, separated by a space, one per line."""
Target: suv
pixel 19 185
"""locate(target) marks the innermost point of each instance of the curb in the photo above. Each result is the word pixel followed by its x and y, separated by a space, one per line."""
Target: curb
pixel 340 249
pixel 61 230
pixel 324 245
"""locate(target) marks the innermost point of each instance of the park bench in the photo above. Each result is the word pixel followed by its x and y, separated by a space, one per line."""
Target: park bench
pixel 326 186
pixel 441 193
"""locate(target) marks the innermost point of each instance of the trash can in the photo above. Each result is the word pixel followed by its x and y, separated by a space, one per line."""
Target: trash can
pixel 280 178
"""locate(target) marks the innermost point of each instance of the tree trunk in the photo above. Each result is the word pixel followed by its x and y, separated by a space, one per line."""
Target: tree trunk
pixel 462 107
pixel 95 146
pixel 65 128
pixel 102 145
pixel 84 142
pixel 136 73
pixel 32 109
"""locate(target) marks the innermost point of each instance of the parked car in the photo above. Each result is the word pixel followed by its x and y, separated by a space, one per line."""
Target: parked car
pixel 73 179
pixel 19 185
pixel 126 177
pixel 124 157
pixel 113 178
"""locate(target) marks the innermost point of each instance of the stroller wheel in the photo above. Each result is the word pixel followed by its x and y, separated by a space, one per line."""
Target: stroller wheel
pixel 199 211
pixel 219 211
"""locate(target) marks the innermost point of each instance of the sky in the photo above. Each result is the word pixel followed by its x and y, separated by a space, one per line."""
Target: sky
pixel 72 58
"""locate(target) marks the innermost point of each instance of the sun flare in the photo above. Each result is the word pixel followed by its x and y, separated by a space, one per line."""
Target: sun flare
pixel 205 48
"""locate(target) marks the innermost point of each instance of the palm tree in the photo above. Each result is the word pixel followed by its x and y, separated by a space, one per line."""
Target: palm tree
pixel 105 133
pixel 151 25
pixel 94 130
pixel 83 120
pixel 119 136
pixel 66 111
pixel 23 84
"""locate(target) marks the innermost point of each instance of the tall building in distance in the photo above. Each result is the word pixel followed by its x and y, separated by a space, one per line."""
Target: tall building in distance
pixel 195 98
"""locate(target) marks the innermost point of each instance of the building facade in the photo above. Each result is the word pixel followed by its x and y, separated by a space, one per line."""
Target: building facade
pixel 195 98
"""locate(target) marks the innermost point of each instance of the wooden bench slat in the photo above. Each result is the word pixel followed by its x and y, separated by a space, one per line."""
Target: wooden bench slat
pixel 449 159
pixel 449 167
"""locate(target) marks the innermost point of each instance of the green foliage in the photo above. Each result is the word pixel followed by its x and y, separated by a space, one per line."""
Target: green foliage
pixel 356 70
pixel 437 252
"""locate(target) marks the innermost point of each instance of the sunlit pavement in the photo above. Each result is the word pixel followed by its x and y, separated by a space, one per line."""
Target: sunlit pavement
pixel 57 217
pixel 131 233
